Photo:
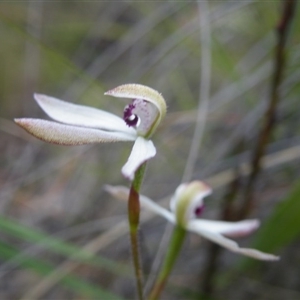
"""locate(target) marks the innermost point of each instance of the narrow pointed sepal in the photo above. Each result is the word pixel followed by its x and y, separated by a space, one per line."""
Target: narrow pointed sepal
pixel 69 135
pixel 122 192
pixel 234 247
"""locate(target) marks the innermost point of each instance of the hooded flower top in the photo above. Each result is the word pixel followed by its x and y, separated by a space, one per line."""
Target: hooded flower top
pixel 186 207
pixel 78 124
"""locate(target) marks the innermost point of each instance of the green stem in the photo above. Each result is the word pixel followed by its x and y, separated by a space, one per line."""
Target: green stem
pixel 173 251
pixel 134 218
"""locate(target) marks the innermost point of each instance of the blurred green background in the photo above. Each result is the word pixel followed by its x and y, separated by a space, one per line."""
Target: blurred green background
pixel 62 236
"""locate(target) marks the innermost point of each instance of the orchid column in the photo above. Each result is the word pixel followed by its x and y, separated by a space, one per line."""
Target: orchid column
pixel 78 125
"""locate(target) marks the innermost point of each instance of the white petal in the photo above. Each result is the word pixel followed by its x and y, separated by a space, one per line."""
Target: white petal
pixel 80 115
pixel 234 247
pixel 142 151
pixel 231 229
pixel 57 133
pixel 121 193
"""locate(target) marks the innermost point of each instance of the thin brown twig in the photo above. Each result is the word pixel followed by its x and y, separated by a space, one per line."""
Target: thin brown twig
pixel 228 212
pixel 269 122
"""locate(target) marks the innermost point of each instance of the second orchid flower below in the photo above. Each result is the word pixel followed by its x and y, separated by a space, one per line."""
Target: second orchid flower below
pixel 187 205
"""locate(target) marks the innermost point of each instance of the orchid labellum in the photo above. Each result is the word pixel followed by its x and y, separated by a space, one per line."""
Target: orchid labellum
pixel 185 208
pixel 78 125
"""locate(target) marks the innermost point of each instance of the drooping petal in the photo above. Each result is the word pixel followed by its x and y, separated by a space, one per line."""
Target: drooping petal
pixel 230 229
pixel 138 91
pixel 142 151
pixel 121 193
pixel 68 135
pixel 74 114
pixel 234 247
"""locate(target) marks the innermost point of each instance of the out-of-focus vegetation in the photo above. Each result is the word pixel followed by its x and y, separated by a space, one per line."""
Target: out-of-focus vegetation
pixel 62 237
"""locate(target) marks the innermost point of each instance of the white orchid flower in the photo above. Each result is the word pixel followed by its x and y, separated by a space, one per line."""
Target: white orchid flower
pixel 86 125
pixel 185 208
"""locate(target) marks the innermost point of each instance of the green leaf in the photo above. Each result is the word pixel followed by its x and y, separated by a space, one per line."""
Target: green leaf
pixel 283 226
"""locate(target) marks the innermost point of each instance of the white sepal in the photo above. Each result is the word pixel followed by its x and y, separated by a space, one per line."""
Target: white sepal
pixel 68 135
pixel 234 247
pixel 74 114
pixel 122 192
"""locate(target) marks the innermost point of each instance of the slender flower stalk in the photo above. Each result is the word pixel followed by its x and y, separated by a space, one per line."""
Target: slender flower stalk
pixel 77 125
pixel 134 219
pixel 176 242
pixel 186 207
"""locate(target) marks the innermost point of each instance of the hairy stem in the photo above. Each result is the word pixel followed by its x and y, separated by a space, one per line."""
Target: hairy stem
pixel 173 251
pixel 134 218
